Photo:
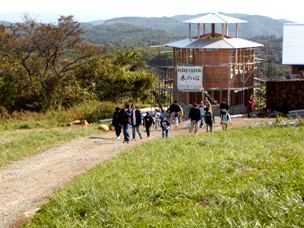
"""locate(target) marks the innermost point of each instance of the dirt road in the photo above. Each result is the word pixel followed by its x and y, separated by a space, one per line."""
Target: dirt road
pixel 27 183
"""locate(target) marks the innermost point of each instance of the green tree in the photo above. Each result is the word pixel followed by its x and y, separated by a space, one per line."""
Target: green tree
pixel 131 59
pixel 38 61
pixel 119 78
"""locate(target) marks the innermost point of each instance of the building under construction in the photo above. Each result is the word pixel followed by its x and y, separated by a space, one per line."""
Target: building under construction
pixel 212 62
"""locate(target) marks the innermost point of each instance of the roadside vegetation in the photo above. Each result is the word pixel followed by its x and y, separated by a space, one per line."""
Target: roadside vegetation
pixel 25 133
pixel 92 111
pixel 248 177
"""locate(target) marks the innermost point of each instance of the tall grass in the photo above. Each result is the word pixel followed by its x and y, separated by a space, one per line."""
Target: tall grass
pixel 251 177
pixel 92 111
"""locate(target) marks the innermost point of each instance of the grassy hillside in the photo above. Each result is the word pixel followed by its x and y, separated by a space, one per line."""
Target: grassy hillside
pixel 241 178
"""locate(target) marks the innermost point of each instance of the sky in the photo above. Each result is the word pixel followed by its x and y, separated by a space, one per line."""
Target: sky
pixel 89 10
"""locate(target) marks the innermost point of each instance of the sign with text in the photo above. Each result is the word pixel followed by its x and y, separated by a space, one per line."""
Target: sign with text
pixel 190 78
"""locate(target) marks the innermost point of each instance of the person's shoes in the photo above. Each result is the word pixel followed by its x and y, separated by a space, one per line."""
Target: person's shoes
pixel 118 138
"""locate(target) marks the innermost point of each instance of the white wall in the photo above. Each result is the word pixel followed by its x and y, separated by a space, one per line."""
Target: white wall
pixel 293 44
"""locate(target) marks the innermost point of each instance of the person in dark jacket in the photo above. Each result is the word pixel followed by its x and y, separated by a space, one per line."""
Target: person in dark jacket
pixel 194 116
pixel 174 109
pixel 125 122
pixel 116 122
pixel 209 119
pixel 136 121
pixel 224 107
pixel 148 122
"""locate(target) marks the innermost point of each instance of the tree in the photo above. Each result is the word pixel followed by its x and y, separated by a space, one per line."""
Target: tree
pixel 131 59
pixel 131 78
pixel 121 77
pixel 38 61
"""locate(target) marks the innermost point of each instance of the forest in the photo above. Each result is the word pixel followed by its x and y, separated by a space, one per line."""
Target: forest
pixel 46 66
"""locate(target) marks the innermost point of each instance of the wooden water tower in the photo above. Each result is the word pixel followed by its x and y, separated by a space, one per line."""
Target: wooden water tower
pixel 228 64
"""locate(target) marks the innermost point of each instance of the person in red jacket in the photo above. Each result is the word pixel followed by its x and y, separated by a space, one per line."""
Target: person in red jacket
pixel 250 105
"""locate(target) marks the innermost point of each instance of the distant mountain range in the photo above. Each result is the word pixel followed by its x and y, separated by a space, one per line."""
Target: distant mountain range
pixel 146 31
pixel 142 31
pixel 6 23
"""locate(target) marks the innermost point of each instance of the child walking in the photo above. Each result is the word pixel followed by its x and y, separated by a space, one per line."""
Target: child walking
pixel 148 121
pixel 225 119
pixel 164 124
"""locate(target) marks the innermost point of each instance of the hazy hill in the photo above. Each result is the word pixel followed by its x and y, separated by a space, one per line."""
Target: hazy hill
pixel 127 35
pixel 6 23
pixel 97 22
pixel 164 28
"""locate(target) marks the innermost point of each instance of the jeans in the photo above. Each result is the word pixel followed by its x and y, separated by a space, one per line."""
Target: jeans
pixel 165 133
pixel 126 133
pixel 157 123
pixel 202 121
pixel 193 126
pixel 134 130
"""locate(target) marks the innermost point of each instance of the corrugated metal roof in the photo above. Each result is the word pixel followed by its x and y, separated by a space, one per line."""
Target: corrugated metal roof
pixel 214 18
pixel 223 43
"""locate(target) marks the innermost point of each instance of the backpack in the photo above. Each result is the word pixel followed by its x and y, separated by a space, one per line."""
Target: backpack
pixel 224 117
pixel 164 123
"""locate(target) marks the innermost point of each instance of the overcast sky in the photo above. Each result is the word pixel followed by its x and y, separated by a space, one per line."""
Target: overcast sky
pixel 88 10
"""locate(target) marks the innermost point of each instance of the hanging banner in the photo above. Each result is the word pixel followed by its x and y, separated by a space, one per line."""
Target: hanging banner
pixel 189 78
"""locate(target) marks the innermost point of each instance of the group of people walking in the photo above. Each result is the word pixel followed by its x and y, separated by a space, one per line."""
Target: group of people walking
pixel 200 115
pixel 127 117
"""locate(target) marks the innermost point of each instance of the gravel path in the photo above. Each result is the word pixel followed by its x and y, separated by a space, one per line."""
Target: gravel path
pixel 27 183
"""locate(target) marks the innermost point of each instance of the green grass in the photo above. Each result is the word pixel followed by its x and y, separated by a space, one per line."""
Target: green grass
pixel 20 143
pixel 249 177
pixel 26 133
